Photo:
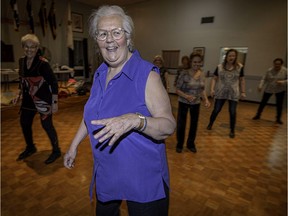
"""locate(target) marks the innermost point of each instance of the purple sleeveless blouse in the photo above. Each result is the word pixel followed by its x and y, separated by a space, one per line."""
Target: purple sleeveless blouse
pixel 135 168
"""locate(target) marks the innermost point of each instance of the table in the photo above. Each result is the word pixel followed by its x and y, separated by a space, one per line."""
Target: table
pixel 6 75
pixel 63 76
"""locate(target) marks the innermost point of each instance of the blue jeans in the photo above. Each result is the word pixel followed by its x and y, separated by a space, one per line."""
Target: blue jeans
pixel 181 124
pixel 232 111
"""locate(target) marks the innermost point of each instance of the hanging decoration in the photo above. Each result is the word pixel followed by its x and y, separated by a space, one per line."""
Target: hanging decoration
pixel 14 7
pixel 70 42
pixel 69 28
pixel 52 19
pixel 43 17
pixel 30 15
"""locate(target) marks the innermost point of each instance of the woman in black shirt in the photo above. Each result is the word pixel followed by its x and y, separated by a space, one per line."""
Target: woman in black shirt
pixel 39 92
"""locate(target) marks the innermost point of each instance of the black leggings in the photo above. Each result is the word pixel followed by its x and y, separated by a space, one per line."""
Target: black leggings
pixel 181 124
pixel 26 121
pixel 154 208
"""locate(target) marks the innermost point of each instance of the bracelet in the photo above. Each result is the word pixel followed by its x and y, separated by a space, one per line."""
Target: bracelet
pixel 143 122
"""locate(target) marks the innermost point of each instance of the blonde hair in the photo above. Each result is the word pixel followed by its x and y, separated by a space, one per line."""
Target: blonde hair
pixel 30 37
pixel 158 57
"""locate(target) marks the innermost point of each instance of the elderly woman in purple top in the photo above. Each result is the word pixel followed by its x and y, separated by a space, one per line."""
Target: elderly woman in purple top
pixel 127 117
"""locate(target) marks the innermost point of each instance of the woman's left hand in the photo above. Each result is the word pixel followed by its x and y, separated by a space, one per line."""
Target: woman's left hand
pixel 280 82
pixel 243 95
pixel 54 103
pixel 114 128
pixel 207 103
pixel 54 107
pixel 190 98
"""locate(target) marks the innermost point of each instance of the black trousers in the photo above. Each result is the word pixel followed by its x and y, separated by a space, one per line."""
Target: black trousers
pixel 232 111
pixel 154 208
pixel 181 124
pixel 279 103
pixel 26 121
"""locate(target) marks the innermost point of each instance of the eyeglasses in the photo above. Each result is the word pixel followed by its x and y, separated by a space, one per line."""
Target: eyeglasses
pixel 30 47
pixel 116 34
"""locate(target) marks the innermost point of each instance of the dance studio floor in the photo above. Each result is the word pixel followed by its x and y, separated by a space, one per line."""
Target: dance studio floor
pixel 243 176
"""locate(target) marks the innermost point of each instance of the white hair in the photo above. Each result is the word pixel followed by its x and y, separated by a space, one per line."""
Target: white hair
pixel 107 10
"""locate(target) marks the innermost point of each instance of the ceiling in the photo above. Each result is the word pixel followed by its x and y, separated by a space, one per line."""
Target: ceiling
pixel 97 3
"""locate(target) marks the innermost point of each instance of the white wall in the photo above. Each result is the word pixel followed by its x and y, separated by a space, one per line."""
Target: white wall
pixel 259 25
pixel 169 24
pixel 175 24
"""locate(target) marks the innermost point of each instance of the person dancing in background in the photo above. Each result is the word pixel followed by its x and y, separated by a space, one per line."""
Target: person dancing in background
pixel 159 62
pixel 228 83
pixel 275 82
pixel 185 65
pixel 39 92
pixel 190 88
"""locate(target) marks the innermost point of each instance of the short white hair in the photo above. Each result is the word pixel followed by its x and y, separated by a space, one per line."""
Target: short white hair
pixel 110 10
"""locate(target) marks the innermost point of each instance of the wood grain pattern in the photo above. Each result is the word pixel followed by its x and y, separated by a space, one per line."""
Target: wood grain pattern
pixel 246 175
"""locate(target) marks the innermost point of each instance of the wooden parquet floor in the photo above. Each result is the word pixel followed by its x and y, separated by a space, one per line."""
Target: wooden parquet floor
pixel 243 176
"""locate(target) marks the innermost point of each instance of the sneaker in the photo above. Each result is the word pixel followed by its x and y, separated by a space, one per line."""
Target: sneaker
pixel 256 117
pixel 28 152
pixel 232 134
pixel 178 150
pixel 192 149
pixel 279 122
pixel 53 156
pixel 209 127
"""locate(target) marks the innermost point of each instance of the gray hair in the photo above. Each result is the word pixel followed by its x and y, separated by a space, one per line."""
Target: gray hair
pixel 30 37
pixel 107 10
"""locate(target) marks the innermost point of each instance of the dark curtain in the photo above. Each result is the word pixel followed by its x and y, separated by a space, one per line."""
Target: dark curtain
pixel 71 57
pixel 85 56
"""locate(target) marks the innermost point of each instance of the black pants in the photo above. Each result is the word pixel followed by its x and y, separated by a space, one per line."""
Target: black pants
pixel 154 208
pixel 232 111
pixel 279 103
pixel 181 124
pixel 26 121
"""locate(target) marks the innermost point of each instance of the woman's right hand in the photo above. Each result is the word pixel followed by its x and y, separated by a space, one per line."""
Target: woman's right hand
pixel 69 158
pixel 190 98
pixel 15 100
pixel 212 93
